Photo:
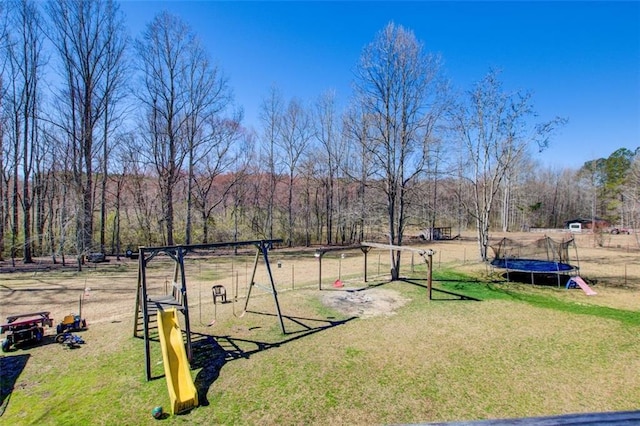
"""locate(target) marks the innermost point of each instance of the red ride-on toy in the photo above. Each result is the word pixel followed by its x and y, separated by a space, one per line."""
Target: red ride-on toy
pixel 25 328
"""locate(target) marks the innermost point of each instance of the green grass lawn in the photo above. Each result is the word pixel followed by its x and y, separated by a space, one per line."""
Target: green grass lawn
pixel 519 351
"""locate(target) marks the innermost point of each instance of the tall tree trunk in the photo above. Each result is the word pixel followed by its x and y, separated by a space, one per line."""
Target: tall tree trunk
pixel 189 194
pixel 14 200
pixel 168 217
pixel 290 212
pixel 116 221
pixel 3 192
pixel 2 182
pixel 506 204
pixel 28 147
pixel 103 181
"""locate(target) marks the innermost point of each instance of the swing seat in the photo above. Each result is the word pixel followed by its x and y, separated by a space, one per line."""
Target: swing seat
pixel 219 291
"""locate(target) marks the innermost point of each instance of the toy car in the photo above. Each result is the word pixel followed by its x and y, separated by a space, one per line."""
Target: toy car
pixel 71 323
pixel 25 328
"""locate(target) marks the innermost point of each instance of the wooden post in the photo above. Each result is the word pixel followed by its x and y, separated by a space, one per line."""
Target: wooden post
pixel 430 274
pixel 365 264
pixel 319 256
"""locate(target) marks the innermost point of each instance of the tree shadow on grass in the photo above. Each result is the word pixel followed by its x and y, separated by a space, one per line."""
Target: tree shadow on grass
pixel 11 367
pixel 422 282
pixel 448 295
pixel 212 352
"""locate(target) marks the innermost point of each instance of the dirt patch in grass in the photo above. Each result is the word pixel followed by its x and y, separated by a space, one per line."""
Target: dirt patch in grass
pixel 365 303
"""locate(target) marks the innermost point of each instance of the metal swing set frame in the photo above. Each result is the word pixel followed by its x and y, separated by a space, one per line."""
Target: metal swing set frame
pixel 148 305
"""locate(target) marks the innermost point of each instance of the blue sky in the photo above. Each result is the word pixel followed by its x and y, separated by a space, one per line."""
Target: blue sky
pixel 581 60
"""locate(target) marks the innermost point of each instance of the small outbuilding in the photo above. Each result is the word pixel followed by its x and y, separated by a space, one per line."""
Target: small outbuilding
pixel 579 224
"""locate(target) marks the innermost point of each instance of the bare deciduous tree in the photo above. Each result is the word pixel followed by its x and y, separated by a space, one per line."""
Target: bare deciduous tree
pixel 4 45
pixel 224 147
pixel 296 132
pixel 331 156
pixel 396 85
pixel 208 97
pixel 271 116
pixel 632 194
pixel 3 180
pixel 87 36
pixel 356 130
pixel 26 62
pixel 495 131
pixel 245 156
pixel 114 88
pixel 181 92
pixel 140 189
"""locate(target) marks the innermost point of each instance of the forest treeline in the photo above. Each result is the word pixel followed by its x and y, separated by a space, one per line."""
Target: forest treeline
pixel 109 142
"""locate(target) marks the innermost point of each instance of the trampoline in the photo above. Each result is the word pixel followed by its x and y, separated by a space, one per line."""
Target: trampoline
pixel 532 265
pixel 543 260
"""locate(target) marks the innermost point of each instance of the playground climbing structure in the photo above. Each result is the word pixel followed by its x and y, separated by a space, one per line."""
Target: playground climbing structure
pixel 147 305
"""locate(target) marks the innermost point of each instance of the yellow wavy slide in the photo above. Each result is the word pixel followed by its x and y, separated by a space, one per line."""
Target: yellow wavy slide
pixel 182 391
